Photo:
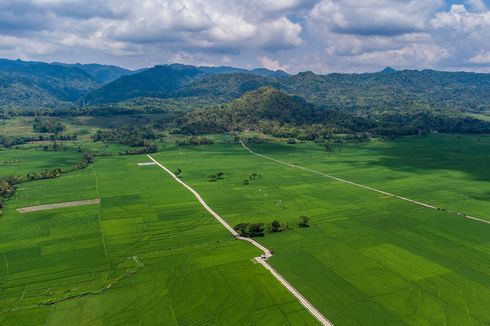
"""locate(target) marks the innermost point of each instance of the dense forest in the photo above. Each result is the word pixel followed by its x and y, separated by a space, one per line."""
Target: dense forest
pixel 273 112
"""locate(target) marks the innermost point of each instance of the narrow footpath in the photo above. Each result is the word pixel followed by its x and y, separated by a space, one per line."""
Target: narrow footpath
pixel 262 259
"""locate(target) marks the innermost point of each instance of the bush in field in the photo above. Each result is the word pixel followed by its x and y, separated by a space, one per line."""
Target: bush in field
pixel 304 222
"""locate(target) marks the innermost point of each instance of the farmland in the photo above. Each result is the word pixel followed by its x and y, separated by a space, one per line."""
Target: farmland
pixel 150 254
pixel 366 259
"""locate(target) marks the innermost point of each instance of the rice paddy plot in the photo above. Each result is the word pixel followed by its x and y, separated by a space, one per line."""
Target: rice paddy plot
pixel 148 254
pixel 366 259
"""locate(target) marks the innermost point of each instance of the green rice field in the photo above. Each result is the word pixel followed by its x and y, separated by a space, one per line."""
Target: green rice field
pixel 149 254
pixel 367 259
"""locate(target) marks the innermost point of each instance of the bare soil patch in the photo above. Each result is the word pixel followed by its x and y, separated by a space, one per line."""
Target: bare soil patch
pixel 58 205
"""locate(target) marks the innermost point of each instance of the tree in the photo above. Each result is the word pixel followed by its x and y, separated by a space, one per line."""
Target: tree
pixel 256 230
pixel 304 222
pixel 88 157
pixel 220 175
pixel 254 176
pixel 242 229
pixel 275 226
pixel 44 125
pixel 178 171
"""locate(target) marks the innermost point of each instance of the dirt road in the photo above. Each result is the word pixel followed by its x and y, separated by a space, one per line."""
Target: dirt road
pixel 368 188
pixel 262 259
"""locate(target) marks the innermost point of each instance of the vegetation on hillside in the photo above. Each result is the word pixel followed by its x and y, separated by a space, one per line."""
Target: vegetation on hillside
pixel 276 113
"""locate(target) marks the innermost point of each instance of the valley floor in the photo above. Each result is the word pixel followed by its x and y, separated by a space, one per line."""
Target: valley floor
pixel 150 254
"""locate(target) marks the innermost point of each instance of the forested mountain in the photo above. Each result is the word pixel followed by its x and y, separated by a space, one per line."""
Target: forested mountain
pixel 37 85
pixel 270 110
pixel 159 81
pixel 368 94
pixel 274 112
pixel 257 71
pixel 403 100
pixel 176 81
pixel 103 74
pixel 391 91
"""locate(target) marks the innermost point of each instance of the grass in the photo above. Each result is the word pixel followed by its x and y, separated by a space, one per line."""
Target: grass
pixel 450 171
pixel 149 254
pixel 367 259
pixel 23 161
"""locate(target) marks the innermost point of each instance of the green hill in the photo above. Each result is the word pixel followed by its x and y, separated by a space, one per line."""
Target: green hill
pixel 103 73
pixel 268 110
pixel 159 81
pixel 38 85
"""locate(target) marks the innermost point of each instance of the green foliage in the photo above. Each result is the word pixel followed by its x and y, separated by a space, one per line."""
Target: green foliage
pixel 54 147
pixel 133 136
pixel 38 85
pixel 250 230
pixel 194 140
pixel 148 148
pixel 275 226
pixel 102 73
pixel 44 125
pixel 304 222
pixel 10 141
pixel 159 81
pixel 216 177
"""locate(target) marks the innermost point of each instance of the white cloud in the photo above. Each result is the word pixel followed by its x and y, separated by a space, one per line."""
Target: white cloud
pixel 272 64
pixel 319 35
pixel 461 20
pixel 477 5
pixel 481 58
pixel 374 17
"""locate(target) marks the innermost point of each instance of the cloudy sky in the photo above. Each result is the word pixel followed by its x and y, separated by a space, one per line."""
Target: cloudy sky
pixel 294 35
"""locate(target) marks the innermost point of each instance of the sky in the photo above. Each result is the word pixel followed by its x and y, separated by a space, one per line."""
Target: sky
pixel 293 35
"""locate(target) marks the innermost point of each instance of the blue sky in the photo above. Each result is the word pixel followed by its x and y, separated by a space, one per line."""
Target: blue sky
pixel 293 35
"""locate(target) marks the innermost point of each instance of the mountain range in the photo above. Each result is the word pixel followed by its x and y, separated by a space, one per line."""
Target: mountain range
pixel 33 85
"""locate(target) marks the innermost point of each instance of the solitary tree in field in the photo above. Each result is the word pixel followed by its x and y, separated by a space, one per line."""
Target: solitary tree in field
pixel 178 171
pixel 254 176
pixel 304 222
pixel 220 175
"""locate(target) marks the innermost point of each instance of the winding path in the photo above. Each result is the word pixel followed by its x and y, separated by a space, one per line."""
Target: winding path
pixel 368 188
pixel 262 259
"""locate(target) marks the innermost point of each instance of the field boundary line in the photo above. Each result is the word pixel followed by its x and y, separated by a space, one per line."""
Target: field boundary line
pixel 262 259
pixel 100 221
pixel 366 187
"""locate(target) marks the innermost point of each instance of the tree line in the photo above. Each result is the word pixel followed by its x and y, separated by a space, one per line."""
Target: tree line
pixel 8 183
